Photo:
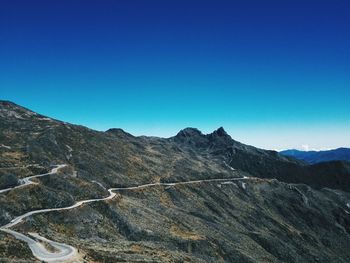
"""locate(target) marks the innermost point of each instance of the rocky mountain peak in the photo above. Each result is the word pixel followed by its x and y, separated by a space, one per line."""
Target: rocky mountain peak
pixel 194 137
pixel 189 132
pixel 220 132
pixel 194 132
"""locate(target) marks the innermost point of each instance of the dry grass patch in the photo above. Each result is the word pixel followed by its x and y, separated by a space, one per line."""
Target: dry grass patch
pixel 177 231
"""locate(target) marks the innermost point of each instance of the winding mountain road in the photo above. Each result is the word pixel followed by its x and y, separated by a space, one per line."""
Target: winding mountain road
pixel 65 252
pixel 28 180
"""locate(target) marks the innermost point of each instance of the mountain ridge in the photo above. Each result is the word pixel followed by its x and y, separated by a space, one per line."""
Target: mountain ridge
pixel 218 145
pixel 313 157
pixel 285 210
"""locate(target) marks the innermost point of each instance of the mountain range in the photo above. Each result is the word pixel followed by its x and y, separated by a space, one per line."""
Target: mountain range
pixel 192 197
pixel 312 157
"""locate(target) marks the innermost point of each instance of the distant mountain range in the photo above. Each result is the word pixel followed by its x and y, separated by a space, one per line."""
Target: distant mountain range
pixel 313 157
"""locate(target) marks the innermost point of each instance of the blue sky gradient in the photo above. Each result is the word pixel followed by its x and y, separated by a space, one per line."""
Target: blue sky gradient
pixel 275 74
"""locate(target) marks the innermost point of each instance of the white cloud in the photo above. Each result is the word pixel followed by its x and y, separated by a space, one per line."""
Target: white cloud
pixel 305 147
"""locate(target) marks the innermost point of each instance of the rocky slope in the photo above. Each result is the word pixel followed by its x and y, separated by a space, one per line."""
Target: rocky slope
pixel 287 212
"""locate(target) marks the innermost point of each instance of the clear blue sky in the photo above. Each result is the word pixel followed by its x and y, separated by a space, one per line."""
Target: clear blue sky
pixel 275 74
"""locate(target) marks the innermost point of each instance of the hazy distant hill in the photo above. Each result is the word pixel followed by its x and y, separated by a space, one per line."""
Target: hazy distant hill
pixel 312 157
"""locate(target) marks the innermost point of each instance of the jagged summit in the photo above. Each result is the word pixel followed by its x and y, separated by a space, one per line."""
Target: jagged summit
pixel 189 132
pixel 195 138
pixel 220 132
pixel 194 132
pixel 221 136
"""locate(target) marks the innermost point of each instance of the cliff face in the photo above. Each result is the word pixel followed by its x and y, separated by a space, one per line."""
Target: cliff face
pixel 256 220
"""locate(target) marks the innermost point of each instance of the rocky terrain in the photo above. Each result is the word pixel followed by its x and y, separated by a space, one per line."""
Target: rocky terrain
pixel 285 211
